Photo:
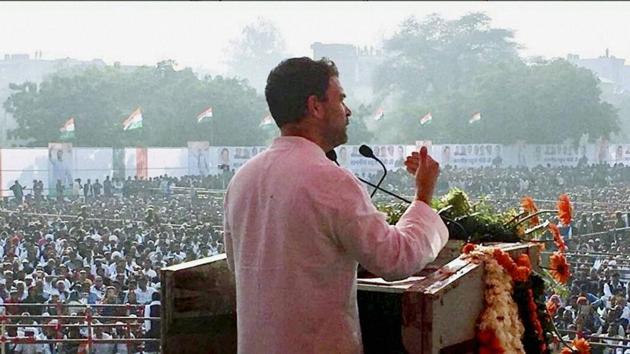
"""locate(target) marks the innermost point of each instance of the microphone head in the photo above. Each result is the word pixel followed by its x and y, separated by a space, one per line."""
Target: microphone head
pixel 366 151
pixel 332 155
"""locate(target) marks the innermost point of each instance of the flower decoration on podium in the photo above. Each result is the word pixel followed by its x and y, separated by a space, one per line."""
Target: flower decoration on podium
pixel 516 318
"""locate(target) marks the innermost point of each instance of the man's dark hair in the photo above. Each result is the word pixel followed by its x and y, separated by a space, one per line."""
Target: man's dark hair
pixel 291 83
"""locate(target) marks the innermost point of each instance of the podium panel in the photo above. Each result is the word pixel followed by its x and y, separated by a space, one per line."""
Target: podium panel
pixel 198 313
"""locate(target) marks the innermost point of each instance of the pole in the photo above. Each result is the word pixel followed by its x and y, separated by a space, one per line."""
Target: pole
pixel 4 347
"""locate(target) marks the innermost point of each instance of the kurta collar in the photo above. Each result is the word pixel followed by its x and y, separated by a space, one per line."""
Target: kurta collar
pixel 297 142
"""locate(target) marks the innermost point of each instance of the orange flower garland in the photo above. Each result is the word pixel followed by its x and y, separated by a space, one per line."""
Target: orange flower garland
pixel 565 211
pixel 559 267
pixel 468 248
pixel 528 205
pixel 499 329
pixel 497 332
pixel 533 313
pixel 489 343
pixel 517 272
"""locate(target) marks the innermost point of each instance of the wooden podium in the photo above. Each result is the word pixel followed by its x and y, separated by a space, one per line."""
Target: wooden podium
pixel 433 312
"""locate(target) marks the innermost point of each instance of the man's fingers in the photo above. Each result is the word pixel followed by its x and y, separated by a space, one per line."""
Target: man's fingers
pixel 423 152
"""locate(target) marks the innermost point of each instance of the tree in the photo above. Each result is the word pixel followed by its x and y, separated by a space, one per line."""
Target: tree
pixel 540 104
pixel 100 99
pixel 456 68
pixel 437 55
pixel 358 132
pixel 259 49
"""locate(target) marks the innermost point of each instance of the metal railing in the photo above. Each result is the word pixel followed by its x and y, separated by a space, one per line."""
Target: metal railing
pixel 86 320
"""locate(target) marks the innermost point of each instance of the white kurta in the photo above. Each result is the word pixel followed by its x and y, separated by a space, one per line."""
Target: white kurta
pixel 295 227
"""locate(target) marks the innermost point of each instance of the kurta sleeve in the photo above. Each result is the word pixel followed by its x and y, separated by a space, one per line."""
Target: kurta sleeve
pixel 390 251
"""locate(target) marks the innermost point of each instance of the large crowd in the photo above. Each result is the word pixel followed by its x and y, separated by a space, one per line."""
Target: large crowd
pixel 105 245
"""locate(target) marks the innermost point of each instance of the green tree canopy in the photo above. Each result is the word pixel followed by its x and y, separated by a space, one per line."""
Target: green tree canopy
pixel 100 99
pixel 456 68
pixel 436 55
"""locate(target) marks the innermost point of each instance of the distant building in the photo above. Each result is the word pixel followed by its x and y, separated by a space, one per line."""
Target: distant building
pixel 356 66
pixel 610 70
pixel 19 68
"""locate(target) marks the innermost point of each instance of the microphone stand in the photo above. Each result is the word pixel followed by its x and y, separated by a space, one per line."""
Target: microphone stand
pixel 366 151
pixel 384 190
pixel 332 156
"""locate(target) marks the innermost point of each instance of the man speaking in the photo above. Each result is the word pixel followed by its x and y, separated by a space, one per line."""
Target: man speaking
pixel 296 225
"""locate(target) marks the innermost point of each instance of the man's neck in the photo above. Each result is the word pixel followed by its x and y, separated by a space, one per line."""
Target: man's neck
pixel 307 133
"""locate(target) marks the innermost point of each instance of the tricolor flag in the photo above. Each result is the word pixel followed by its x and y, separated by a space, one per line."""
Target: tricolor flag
pixel 204 115
pixel 379 114
pixel 67 131
pixel 426 119
pixel 268 120
pixel 134 121
pixel 475 118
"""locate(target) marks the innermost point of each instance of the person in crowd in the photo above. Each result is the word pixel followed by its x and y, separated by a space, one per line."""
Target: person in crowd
pixel 96 189
pixel 18 192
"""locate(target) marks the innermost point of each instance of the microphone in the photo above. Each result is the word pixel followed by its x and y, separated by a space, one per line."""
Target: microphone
pixel 366 151
pixel 332 156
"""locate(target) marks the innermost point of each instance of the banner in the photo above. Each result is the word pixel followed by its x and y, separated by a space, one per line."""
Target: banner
pixel 198 158
pixel 142 163
pixel 469 155
pixel 392 156
pixel 602 150
pixel 231 158
pixel 118 163
pixel 558 154
pixel 60 166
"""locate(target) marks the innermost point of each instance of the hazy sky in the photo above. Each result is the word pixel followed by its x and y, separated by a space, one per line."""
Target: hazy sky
pixel 197 34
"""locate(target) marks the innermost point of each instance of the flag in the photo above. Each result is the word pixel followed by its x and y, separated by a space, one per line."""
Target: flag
pixel 379 114
pixel 475 118
pixel 204 115
pixel 67 131
pixel 134 121
pixel 426 119
pixel 268 120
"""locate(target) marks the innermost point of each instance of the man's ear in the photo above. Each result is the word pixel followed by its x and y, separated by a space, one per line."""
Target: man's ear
pixel 314 107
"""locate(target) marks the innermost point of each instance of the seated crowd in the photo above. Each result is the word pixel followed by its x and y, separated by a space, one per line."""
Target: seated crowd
pixel 75 254
pixel 106 245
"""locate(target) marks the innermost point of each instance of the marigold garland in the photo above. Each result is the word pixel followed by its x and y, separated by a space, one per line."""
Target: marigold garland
pixel 501 314
pixel 489 343
pixel 500 329
pixel 515 318
pixel 468 248
pixel 523 260
pixel 533 313
pixel 516 272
